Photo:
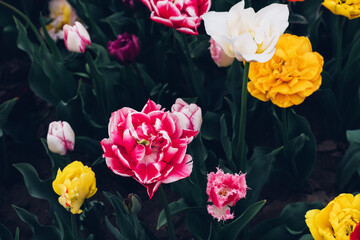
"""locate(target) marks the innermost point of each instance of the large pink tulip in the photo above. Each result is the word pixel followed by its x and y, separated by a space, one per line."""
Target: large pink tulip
pixel 183 15
pixel 189 115
pixel 149 146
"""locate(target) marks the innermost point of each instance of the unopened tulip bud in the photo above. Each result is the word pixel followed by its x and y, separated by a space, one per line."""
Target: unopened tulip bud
pixel 76 37
pixel 132 203
pixel 189 115
pixel 125 49
pixel 60 137
pixel 219 56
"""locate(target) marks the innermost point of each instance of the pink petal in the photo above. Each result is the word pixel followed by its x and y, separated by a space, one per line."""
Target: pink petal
pixel 167 9
pixel 146 173
pixel 220 213
pixel 151 188
pixel 119 169
pixel 138 153
pixel 150 106
pixel 122 156
pixel 180 171
pixel 161 20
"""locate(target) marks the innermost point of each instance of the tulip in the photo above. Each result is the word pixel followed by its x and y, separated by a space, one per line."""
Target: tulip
pixel 125 49
pixel 247 35
pixel 74 184
pixel 60 13
pixel 149 146
pixel 189 116
pixel 224 190
pixel 60 137
pixel 182 15
pixel 76 37
pixel 132 203
pixel 219 56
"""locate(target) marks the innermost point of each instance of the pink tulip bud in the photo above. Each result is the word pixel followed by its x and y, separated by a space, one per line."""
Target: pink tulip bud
pixel 189 115
pixel 76 37
pixel 219 56
pixel 60 137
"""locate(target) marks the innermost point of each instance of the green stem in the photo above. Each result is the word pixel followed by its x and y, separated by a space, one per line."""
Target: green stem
pixel 21 14
pixel 243 116
pixel 339 44
pixel 284 126
pixel 73 226
pixel 167 213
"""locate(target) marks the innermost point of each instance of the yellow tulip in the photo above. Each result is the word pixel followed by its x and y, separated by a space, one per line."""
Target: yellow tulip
pixel 337 220
pixel 74 184
pixel 347 8
pixel 292 74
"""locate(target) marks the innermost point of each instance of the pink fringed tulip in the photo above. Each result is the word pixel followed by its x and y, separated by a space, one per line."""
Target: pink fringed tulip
pixel 183 15
pixel 76 37
pixel 221 59
pixel 125 49
pixel 189 116
pixel 224 191
pixel 149 146
pixel 60 137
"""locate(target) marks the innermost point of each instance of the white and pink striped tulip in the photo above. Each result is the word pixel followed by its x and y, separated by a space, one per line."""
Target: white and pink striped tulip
pixel 182 15
pixel 149 146
pixel 76 37
pixel 60 137
pixel 189 116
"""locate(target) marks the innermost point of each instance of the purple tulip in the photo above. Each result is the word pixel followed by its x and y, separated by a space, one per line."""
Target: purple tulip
pixel 125 48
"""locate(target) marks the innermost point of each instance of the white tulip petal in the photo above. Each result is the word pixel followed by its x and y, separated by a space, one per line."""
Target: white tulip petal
pixel 216 23
pixel 244 44
pixel 274 12
pixel 83 33
pixel 262 57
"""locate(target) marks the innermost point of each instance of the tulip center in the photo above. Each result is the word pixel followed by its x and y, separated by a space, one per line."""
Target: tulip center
pixel 223 191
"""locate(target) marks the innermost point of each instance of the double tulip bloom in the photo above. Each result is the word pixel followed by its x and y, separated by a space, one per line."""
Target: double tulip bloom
pixel 60 13
pixel 293 73
pixel 74 184
pixel 247 35
pixel 60 137
pixel 338 220
pixel 76 38
pixel 347 8
pixel 150 145
pixel 224 191
pixel 182 15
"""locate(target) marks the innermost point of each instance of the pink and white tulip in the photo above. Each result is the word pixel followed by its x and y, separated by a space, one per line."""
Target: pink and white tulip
pixel 149 146
pixel 182 15
pixel 60 137
pixel 224 190
pixel 220 58
pixel 189 116
pixel 76 37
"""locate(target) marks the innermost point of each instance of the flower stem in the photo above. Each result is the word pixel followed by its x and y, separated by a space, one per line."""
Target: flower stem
pixel 167 213
pixel 28 21
pixel 73 226
pixel 243 116
pixel 284 126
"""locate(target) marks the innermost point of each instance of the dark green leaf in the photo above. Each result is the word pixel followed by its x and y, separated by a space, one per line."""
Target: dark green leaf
pixel 5 233
pixel 232 230
pixel 39 232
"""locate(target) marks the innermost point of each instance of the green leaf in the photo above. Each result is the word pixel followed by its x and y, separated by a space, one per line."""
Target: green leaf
pixel 306 237
pixel 233 229
pixel 210 126
pixel 260 166
pixel 225 140
pixel 176 207
pixel 353 136
pixel 5 233
pixel 57 160
pixel 39 232
pixel 5 109
pixel 114 230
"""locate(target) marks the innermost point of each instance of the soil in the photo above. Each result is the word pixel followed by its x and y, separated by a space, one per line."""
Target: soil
pixel 13 83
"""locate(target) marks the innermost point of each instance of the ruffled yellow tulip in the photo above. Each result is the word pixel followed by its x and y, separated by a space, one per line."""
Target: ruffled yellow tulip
pixel 337 220
pixel 347 8
pixel 75 183
pixel 292 74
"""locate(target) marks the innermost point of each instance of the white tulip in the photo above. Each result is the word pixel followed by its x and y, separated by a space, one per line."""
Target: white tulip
pixel 60 137
pixel 247 35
